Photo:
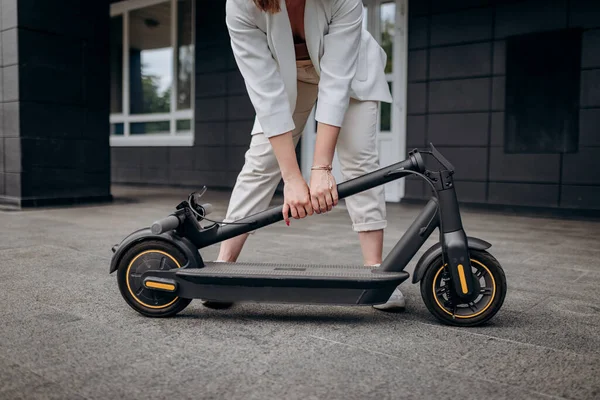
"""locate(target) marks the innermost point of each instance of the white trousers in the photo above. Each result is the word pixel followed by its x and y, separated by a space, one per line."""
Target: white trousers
pixel 356 149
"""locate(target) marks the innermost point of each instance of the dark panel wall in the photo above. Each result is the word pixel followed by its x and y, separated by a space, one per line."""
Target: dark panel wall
pixel 53 142
pixel 223 114
pixel 456 100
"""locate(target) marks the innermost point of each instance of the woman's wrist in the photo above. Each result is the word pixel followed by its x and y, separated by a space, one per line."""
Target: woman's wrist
pixel 325 144
pixel 291 175
pixel 322 161
pixel 322 157
pixel 285 152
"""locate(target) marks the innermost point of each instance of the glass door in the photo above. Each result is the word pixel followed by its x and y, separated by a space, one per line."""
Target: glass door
pixel 387 21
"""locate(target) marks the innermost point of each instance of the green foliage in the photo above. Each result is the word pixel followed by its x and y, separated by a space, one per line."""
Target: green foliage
pixel 387 42
pixel 184 85
pixel 154 101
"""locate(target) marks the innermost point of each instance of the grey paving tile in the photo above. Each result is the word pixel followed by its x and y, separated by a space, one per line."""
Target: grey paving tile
pixel 14 377
pixel 67 333
pixel 512 364
pixel 48 391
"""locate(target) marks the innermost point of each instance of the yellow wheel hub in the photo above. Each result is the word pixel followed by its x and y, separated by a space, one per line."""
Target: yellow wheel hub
pixel 147 260
pixel 475 313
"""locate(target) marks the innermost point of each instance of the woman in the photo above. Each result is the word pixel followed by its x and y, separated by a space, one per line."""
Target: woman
pixel 291 53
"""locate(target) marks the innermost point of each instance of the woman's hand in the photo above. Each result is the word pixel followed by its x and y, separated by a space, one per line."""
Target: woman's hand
pixel 295 191
pixel 323 190
pixel 296 199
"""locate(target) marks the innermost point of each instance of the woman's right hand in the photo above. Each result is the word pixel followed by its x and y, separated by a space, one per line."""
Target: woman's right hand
pixel 296 199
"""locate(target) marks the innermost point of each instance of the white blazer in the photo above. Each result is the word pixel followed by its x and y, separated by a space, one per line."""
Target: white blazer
pixel 349 61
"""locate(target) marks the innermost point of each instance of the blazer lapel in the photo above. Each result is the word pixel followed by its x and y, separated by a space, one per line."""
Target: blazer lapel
pixel 313 33
pixel 280 31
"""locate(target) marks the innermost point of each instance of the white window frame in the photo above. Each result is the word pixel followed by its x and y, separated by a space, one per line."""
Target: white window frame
pixel 396 136
pixel 173 138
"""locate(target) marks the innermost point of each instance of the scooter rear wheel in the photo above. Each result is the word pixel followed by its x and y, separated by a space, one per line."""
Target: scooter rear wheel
pixel 142 257
pixel 446 307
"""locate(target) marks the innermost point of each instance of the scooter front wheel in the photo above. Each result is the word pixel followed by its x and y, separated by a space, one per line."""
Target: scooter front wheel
pixel 143 257
pixel 437 293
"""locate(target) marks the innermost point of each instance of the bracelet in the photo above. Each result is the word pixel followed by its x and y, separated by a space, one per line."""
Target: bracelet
pixel 327 168
pixel 321 168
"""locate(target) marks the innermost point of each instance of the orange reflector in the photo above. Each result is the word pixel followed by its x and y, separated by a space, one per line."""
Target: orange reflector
pixel 159 285
pixel 463 279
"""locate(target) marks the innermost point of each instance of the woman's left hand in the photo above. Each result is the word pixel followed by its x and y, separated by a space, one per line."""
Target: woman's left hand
pixel 323 191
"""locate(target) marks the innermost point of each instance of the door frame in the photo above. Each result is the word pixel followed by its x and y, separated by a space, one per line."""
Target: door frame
pixel 395 139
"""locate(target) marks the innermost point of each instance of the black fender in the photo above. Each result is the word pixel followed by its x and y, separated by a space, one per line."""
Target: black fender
pixel 435 251
pixel 184 245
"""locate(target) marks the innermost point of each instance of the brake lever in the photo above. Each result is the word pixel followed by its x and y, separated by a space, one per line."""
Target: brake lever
pixel 200 193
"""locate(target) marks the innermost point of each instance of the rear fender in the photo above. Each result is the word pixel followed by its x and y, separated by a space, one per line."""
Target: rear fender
pixel 184 245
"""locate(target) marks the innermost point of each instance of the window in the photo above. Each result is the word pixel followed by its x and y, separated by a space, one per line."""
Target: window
pixel 542 92
pixel 387 25
pixel 152 73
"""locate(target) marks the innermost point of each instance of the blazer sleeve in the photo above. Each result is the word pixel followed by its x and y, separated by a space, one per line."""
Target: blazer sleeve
pixel 339 61
pixel 258 67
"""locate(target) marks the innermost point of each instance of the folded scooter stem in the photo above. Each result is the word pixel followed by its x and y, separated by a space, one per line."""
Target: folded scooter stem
pixel 412 240
pixel 275 214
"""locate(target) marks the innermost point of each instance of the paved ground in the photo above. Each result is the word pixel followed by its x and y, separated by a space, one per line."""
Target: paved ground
pixel 66 333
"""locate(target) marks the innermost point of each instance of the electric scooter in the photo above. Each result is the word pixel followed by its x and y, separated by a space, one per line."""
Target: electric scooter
pixel 160 270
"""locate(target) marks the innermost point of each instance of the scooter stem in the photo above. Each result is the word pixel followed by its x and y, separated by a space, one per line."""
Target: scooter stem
pixel 275 214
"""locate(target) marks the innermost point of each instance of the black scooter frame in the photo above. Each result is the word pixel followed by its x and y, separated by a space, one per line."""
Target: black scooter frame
pixel 442 211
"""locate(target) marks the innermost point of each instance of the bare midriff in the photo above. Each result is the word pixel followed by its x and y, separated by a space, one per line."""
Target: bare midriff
pixel 295 10
pixel 301 52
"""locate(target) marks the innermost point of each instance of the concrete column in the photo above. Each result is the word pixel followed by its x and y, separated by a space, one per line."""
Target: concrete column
pixel 54 146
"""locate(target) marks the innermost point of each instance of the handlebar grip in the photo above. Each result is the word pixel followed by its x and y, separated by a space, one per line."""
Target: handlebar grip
pixel 208 208
pixel 166 224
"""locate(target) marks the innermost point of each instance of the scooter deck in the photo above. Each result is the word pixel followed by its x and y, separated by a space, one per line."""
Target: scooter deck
pixel 309 284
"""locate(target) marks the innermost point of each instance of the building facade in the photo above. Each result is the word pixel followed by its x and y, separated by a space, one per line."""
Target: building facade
pixel 510 92
pixel 55 104
pixel 148 92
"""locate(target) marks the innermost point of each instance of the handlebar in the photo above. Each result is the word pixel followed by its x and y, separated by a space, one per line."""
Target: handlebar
pixel 166 224
pixel 172 221
pixel 208 208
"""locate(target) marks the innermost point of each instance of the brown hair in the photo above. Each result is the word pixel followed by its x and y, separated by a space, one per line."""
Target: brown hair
pixel 270 6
